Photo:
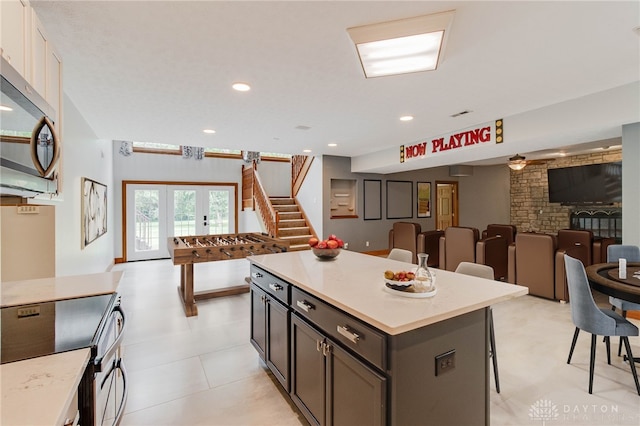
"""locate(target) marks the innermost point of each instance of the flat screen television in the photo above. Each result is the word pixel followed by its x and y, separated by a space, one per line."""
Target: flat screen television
pixel 584 185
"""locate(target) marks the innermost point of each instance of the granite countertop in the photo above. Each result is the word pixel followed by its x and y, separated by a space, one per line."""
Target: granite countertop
pixel 354 282
pixel 26 292
pixel 39 391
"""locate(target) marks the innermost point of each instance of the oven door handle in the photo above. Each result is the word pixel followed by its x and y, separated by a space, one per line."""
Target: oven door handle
pixel 118 365
pixel 116 343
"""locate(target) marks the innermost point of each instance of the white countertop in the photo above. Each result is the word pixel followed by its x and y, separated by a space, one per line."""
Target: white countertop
pixel 38 391
pixel 354 283
pixel 26 292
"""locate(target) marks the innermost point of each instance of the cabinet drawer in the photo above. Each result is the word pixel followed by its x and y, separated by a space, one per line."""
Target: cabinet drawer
pixel 350 332
pixel 271 284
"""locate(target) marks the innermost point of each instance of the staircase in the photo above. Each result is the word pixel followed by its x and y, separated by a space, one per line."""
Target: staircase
pixel 292 225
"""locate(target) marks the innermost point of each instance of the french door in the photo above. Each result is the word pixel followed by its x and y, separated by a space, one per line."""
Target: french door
pixel 156 212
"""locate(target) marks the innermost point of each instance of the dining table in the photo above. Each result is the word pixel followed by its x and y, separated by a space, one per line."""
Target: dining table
pixel 605 278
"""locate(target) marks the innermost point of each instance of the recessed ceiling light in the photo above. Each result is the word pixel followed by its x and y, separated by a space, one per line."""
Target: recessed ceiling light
pixel 406 118
pixel 306 150
pixel 210 131
pixel 241 87
pixel 332 144
pixel 402 46
pixel 5 108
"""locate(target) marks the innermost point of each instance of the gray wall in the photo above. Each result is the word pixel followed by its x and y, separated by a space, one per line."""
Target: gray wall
pixel 483 199
pixel 630 184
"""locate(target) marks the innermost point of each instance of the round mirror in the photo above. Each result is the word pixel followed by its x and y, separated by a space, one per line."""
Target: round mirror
pixel 44 147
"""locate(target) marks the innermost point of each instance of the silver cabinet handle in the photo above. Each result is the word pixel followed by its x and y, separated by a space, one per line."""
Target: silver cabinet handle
pixel 346 332
pixel 305 306
pixel 275 287
pixel 257 275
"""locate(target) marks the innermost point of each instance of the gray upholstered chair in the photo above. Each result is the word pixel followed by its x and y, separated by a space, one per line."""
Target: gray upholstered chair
pixel 401 255
pixel 632 254
pixel 586 316
pixel 484 271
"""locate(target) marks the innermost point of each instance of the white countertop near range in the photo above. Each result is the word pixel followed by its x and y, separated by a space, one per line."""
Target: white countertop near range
pixel 26 292
pixel 354 283
pixel 38 391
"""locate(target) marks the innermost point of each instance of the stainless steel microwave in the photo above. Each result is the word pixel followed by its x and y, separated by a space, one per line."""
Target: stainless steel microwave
pixel 29 146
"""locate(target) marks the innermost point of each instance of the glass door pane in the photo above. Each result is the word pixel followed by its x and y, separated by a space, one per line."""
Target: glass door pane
pixel 146 231
pixel 184 212
pixel 220 220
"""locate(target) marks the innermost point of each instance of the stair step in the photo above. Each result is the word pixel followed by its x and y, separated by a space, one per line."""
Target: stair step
pixel 296 239
pixel 292 232
pixel 290 215
pixel 286 208
pixel 299 247
pixel 291 223
pixel 281 200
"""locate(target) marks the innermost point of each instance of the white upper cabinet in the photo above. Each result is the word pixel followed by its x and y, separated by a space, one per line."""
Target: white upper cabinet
pixel 26 46
pixel 14 34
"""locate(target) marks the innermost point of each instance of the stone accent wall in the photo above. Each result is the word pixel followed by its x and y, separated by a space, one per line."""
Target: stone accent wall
pixel 530 207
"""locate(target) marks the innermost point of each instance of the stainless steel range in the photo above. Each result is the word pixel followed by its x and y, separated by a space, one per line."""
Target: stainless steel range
pixel 95 322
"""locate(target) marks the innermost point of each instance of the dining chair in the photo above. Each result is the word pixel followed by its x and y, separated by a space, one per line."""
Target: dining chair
pixel 484 271
pixel 587 316
pixel 401 255
pixel 616 252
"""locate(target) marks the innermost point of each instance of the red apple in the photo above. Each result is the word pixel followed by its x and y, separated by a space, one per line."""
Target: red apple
pixel 332 244
pixel 321 245
pixel 332 237
pixel 313 241
pixel 340 242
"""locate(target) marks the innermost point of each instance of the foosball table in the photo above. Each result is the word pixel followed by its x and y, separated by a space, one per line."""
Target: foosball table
pixel 185 251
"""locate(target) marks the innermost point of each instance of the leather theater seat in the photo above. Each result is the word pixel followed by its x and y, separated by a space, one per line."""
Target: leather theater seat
pixel 493 251
pixel 404 235
pixel 497 230
pixel 531 263
pixel 581 245
pixel 458 244
pixel 429 242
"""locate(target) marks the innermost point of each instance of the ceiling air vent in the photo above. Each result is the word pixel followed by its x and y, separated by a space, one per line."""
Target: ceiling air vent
pixel 301 127
pixel 458 114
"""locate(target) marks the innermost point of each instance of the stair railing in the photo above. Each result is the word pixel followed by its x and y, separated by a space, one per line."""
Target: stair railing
pixel 269 215
pixel 247 186
pixel 300 165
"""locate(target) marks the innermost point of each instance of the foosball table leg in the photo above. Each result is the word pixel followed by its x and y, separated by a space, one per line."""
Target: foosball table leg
pixel 186 290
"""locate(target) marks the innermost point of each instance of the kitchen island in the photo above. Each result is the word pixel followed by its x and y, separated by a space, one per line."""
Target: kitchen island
pixel 348 352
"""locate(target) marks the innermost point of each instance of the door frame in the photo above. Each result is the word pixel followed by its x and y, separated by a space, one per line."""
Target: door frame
pixel 170 183
pixel 454 204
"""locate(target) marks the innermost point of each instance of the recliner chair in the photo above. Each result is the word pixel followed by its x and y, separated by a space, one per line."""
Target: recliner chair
pixel 458 244
pixel 577 244
pixel 429 242
pixel 492 251
pixel 531 263
pixel 497 230
pixel 404 235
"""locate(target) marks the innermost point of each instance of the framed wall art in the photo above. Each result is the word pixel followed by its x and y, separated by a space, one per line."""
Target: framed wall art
pixel 372 199
pixel 94 210
pixel 424 199
pixel 399 199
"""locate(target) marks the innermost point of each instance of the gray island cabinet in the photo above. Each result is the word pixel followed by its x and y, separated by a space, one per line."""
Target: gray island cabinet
pixel 350 353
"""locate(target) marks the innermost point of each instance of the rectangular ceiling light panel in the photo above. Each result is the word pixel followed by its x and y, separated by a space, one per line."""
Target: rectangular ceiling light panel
pixel 402 46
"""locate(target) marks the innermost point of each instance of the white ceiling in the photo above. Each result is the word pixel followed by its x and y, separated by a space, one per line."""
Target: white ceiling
pixel 162 71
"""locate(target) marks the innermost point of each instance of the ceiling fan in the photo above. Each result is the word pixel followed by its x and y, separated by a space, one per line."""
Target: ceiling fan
pixel 518 162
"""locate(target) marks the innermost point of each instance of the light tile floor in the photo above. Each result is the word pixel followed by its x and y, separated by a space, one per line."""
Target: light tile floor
pixel 203 371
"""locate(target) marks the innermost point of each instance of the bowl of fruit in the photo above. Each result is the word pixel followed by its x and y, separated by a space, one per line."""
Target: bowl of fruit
pixel 399 279
pixel 328 248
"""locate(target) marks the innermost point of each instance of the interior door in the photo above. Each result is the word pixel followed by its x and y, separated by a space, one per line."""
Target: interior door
pixel 446 204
